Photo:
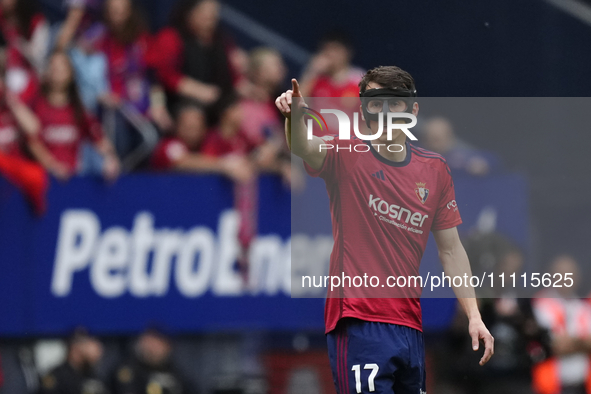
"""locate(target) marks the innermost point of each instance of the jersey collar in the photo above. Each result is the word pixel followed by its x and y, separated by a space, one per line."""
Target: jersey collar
pixel 390 162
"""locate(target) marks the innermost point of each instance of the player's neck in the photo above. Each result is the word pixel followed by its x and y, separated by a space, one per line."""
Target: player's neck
pixel 391 150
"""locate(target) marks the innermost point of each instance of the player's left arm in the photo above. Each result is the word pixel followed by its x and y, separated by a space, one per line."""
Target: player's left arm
pixel 455 263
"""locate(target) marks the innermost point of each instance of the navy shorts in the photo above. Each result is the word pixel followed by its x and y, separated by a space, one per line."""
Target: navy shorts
pixel 370 357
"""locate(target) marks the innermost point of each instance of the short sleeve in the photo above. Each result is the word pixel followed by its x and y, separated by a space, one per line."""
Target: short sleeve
pixel 330 164
pixel 447 214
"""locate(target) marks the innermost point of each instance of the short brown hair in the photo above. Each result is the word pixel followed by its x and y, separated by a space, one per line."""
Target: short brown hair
pixel 390 77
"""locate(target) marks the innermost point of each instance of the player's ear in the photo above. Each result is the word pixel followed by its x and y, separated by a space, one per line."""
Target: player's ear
pixel 415 109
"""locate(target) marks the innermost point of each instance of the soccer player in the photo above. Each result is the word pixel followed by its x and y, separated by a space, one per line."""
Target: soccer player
pixel 381 224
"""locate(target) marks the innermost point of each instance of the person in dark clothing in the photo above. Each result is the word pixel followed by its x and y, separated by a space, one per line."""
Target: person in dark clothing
pixel 192 57
pixel 77 375
pixel 149 370
pixel 519 340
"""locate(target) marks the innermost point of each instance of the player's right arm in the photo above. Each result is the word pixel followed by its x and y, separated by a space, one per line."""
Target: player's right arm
pixel 295 129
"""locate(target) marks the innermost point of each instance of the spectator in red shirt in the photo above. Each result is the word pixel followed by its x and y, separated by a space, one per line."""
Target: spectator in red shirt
pixel 181 152
pixel 330 73
pixel 65 124
pixel 125 42
pixel 228 141
pixel 192 56
pixel 229 138
pixel 26 32
pixel 15 118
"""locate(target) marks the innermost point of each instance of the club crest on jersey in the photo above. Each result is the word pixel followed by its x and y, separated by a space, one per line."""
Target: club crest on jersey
pixel 422 192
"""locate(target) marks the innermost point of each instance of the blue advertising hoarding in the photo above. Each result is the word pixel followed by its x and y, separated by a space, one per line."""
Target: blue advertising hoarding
pixel 161 250
pixel 109 257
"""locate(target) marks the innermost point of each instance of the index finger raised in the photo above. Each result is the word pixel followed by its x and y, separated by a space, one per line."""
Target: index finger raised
pixel 296 88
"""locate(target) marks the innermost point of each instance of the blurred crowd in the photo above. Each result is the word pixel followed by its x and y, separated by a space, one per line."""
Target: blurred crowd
pixel 100 94
pixel 154 361
pixel 145 368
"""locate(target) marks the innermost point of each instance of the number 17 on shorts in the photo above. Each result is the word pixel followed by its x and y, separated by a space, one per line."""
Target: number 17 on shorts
pixel 370 380
pixel 371 357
